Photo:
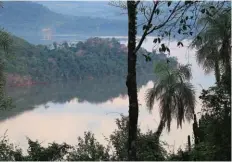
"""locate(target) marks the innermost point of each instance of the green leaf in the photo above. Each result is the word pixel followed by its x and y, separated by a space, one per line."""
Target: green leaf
pixel 155 40
pixel 184 27
pixel 163 47
pixel 147 58
pixel 203 11
pixel 212 7
pixel 186 18
pixel 157 11
pixel 180 43
pixel 186 2
pixel 181 21
pixel 198 37
pixel 208 13
pixel 144 27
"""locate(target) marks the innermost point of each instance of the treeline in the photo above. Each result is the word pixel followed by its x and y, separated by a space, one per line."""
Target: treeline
pixel 93 58
pixel 88 148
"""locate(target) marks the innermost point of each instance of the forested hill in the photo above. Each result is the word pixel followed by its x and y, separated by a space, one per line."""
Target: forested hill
pixel 28 19
pixel 94 58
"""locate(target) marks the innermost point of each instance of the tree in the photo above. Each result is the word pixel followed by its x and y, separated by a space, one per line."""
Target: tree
pixel 176 18
pixel 5 43
pixel 65 45
pixel 178 10
pixel 55 45
pixel 150 149
pixel 174 93
pixel 213 49
pixel 89 149
pixel 131 80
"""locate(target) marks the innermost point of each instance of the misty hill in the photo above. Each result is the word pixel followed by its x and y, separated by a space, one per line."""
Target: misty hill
pixel 95 9
pixel 28 19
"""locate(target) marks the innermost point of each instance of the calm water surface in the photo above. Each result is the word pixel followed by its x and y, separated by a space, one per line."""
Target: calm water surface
pixel 62 112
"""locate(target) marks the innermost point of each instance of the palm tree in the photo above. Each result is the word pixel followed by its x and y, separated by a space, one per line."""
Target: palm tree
pixel 174 93
pixel 213 44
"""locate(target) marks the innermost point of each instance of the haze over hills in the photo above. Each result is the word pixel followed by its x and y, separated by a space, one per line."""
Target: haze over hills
pixel 28 19
pixel 96 9
pixel 46 22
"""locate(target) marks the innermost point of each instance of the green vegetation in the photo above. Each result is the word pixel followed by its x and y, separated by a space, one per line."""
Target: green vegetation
pixel 94 58
pixel 212 44
pixel 5 43
pixel 212 133
pixel 175 94
pixel 88 148
pixel 97 58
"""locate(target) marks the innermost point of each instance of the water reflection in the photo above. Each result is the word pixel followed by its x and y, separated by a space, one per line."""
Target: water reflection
pixel 94 91
pixel 65 110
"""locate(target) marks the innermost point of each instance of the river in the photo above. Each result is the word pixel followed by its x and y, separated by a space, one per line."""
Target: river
pixel 63 112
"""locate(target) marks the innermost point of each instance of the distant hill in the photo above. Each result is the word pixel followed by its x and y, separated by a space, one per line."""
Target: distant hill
pixel 95 9
pixel 28 19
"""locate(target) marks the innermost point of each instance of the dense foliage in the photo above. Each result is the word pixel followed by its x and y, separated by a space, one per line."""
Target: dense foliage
pixel 5 43
pixel 212 134
pixel 97 58
pixel 174 94
pixel 93 58
pixel 88 148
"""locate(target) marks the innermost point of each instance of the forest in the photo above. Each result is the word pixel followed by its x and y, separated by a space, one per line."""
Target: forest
pixel 172 90
pixel 93 58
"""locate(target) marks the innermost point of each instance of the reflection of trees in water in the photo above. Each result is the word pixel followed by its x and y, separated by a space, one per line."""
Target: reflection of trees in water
pixel 93 91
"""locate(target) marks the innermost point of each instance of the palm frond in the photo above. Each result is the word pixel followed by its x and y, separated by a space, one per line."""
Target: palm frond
pixel 150 98
pixel 185 71
pixel 172 93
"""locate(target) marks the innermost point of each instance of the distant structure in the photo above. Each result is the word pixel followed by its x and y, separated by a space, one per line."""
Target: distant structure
pixel 47 33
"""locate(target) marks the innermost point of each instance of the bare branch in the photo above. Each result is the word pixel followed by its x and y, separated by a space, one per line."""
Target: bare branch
pixel 147 28
pixel 164 23
pixel 137 3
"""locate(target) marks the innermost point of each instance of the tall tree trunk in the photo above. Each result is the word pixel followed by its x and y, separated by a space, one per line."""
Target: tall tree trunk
pixel 189 143
pixel 195 130
pixel 226 53
pixel 131 81
pixel 160 129
pixel 217 71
